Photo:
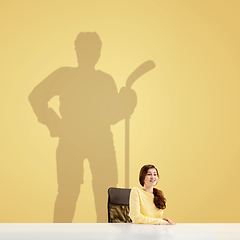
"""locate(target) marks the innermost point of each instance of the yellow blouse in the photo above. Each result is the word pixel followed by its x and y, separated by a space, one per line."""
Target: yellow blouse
pixel 143 209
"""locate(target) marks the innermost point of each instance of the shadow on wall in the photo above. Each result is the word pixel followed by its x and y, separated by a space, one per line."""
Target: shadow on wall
pixel 89 105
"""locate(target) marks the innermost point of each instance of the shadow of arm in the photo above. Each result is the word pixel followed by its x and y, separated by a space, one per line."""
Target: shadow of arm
pixel 39 98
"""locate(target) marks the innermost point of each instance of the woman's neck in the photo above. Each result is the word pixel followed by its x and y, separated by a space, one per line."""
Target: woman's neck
pixel 148 189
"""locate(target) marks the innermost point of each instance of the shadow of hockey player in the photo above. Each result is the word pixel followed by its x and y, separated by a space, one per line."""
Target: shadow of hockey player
pixel 89 105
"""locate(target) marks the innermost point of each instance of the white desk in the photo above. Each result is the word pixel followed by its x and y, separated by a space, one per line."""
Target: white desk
pixel 120 231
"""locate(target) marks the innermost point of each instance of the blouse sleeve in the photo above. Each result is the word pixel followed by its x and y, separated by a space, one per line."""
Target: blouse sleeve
pixel 135 214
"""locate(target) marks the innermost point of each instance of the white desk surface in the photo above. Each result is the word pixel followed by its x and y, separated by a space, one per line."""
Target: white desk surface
pixel 120 231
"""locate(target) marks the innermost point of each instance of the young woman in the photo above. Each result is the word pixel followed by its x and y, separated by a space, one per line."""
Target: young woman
pixel 147 204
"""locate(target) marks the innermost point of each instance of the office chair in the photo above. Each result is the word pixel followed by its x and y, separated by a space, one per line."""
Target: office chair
pixel 118 205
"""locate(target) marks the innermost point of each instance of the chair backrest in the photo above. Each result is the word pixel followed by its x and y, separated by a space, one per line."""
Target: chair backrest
pixel 118 205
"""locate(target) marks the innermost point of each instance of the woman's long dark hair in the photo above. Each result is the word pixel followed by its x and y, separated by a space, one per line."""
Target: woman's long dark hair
pixel 159 199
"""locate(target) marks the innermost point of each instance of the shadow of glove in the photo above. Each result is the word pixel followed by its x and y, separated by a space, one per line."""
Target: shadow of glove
pixel 128 98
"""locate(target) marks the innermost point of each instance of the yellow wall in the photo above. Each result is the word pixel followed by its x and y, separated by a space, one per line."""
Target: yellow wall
pixel 187 119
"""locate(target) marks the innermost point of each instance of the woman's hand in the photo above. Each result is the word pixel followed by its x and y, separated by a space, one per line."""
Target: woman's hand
pixel 170 222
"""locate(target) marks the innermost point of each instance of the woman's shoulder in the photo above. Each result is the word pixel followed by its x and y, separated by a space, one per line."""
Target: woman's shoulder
pixel 136 189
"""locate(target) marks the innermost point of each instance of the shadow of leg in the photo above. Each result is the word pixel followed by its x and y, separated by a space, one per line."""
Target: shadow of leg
pixel 65 206
pixel 104 173
pixel 70 177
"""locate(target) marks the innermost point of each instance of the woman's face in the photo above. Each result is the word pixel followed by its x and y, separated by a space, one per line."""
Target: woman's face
pixel 151 178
